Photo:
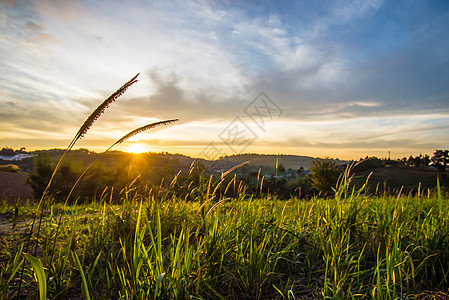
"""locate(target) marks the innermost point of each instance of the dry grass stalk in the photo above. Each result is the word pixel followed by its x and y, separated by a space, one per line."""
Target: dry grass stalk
pixel 229 184
pixel 218 186
pixel 285 206
pixel 100 109
pixel 400 192
pixel 143 128
pixel 208 187
pixel 233 168
pixel 83 129
pixel 217 204
pixel 226 173
pixel 204 204
pixel 257 181
pixel 121 140
pixel 175 179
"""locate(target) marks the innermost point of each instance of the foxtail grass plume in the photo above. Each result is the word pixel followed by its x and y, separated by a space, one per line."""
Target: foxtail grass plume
pixel 85 127
pixel 143 128
pixel 100 109
pixel 81 132
pixel 119 141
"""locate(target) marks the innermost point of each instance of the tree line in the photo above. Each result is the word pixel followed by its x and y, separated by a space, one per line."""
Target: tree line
pixel 156 172
pixel 325 172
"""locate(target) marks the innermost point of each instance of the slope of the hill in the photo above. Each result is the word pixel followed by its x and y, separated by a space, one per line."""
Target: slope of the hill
pixel 13 186
pixel 269 160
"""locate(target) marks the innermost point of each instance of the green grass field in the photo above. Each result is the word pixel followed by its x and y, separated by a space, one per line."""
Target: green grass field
pixel 244 248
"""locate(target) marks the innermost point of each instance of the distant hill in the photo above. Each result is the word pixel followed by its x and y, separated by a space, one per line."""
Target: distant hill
pixel 269 160
pixel 176 161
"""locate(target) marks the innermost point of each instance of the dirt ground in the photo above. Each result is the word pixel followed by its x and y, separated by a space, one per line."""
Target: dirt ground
pixel 13 186
pixel 422 172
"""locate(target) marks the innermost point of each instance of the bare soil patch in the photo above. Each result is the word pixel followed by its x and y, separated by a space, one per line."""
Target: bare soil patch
pixel 422 172
pixel 13 186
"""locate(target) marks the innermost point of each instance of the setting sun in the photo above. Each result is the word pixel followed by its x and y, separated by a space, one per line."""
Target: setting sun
pixel 137 148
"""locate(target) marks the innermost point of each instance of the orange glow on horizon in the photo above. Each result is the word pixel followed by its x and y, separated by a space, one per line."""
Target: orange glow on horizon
pixel 137 148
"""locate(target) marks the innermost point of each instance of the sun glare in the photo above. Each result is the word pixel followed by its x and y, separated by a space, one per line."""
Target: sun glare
pixel 137 148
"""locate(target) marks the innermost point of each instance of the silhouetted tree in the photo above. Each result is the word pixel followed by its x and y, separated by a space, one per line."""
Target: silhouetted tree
pixel 281 169
pixel 440 159
pixel 368 163
pixel 417 161
pixel 324 175
pixel 7 151
pixel 43 169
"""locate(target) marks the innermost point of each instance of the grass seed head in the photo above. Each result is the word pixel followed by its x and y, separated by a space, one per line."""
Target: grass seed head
pixel 103 106
pixel 144 128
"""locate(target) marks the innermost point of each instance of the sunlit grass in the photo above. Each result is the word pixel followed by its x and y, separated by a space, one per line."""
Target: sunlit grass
pixel 162 248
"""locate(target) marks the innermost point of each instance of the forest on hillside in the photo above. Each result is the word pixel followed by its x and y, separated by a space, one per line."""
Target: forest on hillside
pixel 281 175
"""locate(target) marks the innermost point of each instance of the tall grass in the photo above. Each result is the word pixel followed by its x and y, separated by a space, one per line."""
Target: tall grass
pixel 245 248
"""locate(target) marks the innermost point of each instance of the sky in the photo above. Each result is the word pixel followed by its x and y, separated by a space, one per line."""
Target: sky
pixel 341 79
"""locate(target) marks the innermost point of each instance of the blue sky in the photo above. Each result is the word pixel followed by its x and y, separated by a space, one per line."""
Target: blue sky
pixel 350 78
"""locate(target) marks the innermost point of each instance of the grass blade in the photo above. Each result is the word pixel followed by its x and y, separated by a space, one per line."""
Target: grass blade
pixel 40 274
pixel 84 286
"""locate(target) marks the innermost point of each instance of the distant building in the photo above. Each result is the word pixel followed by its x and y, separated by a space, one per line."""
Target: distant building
pixel 19 156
